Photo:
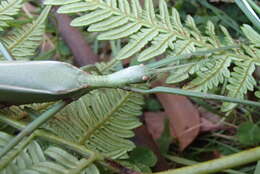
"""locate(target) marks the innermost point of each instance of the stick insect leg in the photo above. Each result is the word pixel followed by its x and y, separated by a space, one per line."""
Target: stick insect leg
pixel 6 53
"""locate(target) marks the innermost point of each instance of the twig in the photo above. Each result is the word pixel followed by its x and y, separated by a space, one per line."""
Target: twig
pixel 33 126
pixel 82 52
pixel 121 168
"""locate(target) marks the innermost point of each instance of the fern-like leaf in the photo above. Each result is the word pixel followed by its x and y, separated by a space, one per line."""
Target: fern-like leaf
pixel 240 82
pixel 101 120
pixel 34 160
pixel 152 33
pixel 211 75
pixel 22 42
pixel 8 9
pixel 137 42
pixel 257 94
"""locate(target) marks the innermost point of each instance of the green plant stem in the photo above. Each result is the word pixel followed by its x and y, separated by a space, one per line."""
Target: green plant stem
pixel 83 164
pixel 193 94
pixel 220 164
pixel 187 162
pixel 33 126
pixel 80 149
pixel 249 12
pixel 254 6
pixel 221 15
pixel 169 60
pixel 5 161
pixel 5 52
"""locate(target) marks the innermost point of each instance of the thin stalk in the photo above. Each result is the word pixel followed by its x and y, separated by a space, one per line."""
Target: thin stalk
pixel 254 6
pixel 80 149
pixel 33 126
pixel 220 164
pixel 187 162
pixel 171 59
pixel 193 94
pixel 11 122
pixel 5 52
pixel 221 15
pixel 249 12
pixel 83 164
pixel 18 149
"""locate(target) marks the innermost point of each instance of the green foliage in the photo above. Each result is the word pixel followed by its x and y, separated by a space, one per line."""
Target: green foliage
pixel 35 160
pixel 152 34
pixel 101 120
pixel 143 156
pixel 248 134
pixel 257 169
pixel 257 93
pixel 153 105
pixel 8 9
pixel 166 138
pixel 22 42
pixel 143 159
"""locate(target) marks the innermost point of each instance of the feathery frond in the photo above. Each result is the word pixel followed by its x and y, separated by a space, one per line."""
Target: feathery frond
pixel 35 160
pixel 8 9
pixel 22 42
pixel 152 34
pixel 240 82
pixel 101 120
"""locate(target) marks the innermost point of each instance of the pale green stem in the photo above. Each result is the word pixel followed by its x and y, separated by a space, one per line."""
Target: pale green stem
pixel 5 52
pixel 193 94
pixel 254 6
pixel 33 126
pixel 67 144
pixel 13 154
pixel 187 162
pixel 249 12
pixel 169 60
pixel 220 164
pixel 82 150
pixel 130 75
pixel 83 164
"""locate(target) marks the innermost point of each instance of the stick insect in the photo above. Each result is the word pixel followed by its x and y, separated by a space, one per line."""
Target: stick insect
pixel 27 82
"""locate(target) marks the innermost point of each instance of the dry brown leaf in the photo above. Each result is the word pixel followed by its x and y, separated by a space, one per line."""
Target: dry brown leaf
pixel 183 116
pixel 155 123
pixel 210 121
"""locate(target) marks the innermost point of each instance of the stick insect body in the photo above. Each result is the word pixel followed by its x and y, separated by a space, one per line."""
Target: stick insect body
pixel 26 82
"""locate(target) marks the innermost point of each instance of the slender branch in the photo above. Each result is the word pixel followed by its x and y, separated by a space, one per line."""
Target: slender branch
pixel 211 166
pixel 187 162
pixel 33 126
pixel 220 164
pixel 83 164
pixel 120 168
pixel 171 59
pixel 6 54
pixel 80 149
pixel 193 94
pixel 254 6
pixel 5 161
pixel 249 12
